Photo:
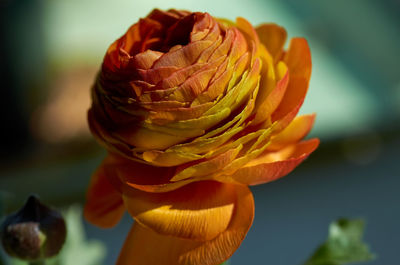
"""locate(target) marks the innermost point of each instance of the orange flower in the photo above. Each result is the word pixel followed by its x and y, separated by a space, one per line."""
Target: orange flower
pixel 192 110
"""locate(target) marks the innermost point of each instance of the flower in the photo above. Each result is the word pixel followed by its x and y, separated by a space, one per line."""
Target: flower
pixel 192 110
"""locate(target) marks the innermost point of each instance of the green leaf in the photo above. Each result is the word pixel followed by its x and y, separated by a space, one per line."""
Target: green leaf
pixel 344 245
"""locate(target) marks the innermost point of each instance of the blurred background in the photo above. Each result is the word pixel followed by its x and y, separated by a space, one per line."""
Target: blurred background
pixel 50 51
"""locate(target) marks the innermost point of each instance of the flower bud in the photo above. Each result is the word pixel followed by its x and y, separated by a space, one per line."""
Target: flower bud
pixel 34 232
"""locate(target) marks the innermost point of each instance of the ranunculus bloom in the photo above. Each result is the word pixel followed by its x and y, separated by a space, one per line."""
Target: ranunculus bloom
pixel 193 109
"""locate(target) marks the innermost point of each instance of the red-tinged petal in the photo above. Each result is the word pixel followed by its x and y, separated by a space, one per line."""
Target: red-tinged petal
pixel 293 133
pixel 183 57
pixel 272 165
pixel 205 55
pixel 197 83
pixel 153 76
pixel 298 60
pixel 104 206
pixel 144 246
pixel 144 177
pixel 273 37
pixel 178 77
pixel 225 46
pixel 212 32
pixel 201 28
pixel 281 124
pixel 164 17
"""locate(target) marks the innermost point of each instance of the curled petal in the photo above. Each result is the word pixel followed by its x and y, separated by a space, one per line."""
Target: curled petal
pixel 298 61
pixel 172 250
pixel 296 131
pixel 273 37
pixel 272 165
pixel 268 105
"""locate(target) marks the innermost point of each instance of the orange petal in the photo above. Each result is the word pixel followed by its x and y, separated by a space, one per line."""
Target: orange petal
pixel 272 165
pixel 146 59
pixel 247 28
pixel 272 100
pixel 104 206
pixel 273 37
pixel 298 61
pixel 184 56
pixel 198 211
pixel 296 131
pixel 144 246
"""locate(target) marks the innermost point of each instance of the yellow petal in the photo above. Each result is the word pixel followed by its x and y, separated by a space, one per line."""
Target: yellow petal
pixel 293 133
pixel 153 137
pixel 199 211
pixel 209 166
pixel 273 37
pixel 267 104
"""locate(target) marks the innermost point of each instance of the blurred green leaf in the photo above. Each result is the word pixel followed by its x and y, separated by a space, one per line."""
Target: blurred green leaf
pixel 77 250
pixel 344 245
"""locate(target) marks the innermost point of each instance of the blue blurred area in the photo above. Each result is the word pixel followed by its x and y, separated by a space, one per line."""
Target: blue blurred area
pixel 50 48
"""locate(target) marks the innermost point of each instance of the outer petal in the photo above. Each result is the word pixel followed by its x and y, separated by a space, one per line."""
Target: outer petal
pixel 298 60
pixel 273 37
pixel 273 165
pixel 104 206
pixel 141 243
pixel 198 211
pixel 296 131
pixel 272 100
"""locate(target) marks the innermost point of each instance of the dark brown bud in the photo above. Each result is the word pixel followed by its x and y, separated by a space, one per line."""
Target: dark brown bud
pixel 35 232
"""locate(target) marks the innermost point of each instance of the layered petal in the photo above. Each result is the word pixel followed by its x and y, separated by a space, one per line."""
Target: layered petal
pixel 298 61
pixel 272 165
pixel 141 243
pixel 273 37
